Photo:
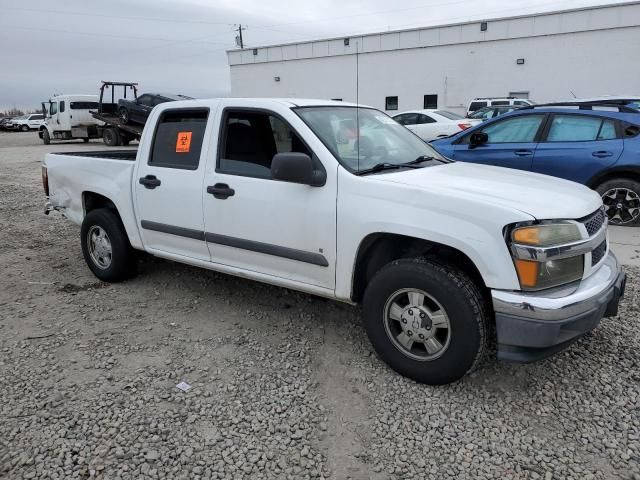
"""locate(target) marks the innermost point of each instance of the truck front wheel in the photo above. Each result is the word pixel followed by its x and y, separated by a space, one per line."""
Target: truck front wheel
pixel 426 320
pixel 106 247
pixel 46 139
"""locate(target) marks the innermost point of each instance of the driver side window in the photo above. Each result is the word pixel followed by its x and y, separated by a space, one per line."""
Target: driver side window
pixel 53 109
pixel 520 129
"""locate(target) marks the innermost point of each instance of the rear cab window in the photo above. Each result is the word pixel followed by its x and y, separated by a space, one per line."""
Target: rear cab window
pixel 83 105
pixel 178 138
pixel 476 106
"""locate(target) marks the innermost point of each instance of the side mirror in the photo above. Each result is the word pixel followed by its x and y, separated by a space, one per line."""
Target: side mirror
pixel 478 138
pixel 296 167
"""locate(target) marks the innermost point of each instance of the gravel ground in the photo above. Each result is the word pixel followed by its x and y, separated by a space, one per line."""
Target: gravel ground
pixel 284 385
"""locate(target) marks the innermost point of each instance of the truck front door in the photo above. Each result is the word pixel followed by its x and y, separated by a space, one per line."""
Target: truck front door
pixel 168 184
pixel 253 223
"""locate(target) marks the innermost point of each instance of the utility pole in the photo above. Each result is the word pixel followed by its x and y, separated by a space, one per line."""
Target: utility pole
pixel 239 41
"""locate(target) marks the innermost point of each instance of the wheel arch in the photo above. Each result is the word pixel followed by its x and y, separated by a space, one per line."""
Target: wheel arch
pixel 378 249
pixel 629 171
pixel 92 201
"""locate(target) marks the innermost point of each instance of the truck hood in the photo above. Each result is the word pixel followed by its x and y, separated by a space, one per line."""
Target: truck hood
pixel 541 196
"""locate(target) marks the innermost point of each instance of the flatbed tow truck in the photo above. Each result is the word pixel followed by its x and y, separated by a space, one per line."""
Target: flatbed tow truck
pixel 115 132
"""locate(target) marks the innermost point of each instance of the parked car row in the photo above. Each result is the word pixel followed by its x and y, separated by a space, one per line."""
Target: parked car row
pixel 23 123
pixel 596 144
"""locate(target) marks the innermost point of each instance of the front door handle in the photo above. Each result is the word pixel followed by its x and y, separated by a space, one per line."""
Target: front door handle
pixel 602 154
pixel 524 153
pixel 150 181
pixel 221 191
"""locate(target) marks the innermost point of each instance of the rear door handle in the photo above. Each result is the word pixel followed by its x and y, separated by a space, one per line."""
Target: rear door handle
pixel 221 191
pixel 602 154
pixel 524 153
pixel 150 182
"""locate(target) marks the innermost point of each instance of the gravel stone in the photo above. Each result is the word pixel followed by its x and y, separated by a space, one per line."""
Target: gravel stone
pixel 284 385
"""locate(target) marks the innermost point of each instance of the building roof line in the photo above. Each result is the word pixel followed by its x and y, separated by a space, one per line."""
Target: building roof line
pixel 429 27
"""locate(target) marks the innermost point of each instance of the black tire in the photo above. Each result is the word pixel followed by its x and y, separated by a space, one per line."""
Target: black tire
pixel 122 261
pixel 85 140
pixel 123 113
pixel 621 197
pixel 24 128
pixel 124 139
pixel 111 137
pixel 462 304
pixel 46 139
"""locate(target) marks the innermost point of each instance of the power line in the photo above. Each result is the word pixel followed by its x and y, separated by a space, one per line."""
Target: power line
pixel 83 14
pixel 111 35
pixel 375 30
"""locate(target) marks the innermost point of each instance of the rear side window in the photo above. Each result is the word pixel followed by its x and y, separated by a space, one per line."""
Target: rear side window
pixel 476 106
pixel 499 102
pixel 422 119
pixel 83 105
pixel 62 106
pixel 178 139
pixel 576 128
pixel 406 119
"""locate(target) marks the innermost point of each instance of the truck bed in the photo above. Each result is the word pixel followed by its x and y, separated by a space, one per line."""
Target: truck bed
pixel 127 155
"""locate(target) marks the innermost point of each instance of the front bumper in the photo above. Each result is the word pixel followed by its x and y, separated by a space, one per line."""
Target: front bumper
pixel 535 325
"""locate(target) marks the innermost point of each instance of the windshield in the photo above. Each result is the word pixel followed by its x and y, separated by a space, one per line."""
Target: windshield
pixel 449 115
pixel 380 139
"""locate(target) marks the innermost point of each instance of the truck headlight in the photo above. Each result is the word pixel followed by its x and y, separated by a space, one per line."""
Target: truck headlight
pixel 546 235
pixel 542 254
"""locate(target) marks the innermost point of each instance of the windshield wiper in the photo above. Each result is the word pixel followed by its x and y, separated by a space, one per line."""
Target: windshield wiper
pixel 420 159
pixel 378 167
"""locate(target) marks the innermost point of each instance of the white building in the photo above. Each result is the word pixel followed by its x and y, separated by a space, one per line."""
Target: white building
pixel 588 51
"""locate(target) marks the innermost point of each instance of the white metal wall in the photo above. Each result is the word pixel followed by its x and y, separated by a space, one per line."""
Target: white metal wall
pixel 589 63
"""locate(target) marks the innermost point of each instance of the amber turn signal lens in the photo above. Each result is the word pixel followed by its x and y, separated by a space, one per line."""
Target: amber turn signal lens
pixel 527 236
pixel 527 272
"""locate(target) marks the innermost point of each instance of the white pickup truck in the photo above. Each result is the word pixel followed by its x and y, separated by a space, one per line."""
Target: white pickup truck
pixel 292 193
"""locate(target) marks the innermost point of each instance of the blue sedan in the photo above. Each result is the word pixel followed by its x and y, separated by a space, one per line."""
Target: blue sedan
pixel 596 146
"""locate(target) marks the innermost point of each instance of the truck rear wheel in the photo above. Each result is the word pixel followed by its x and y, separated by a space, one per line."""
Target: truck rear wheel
pixel 106 247
pixel 46 139
pixel 111 137
pixel 427 321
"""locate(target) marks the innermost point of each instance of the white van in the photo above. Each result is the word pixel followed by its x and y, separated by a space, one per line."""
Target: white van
pixel 69 117
pixel 479 102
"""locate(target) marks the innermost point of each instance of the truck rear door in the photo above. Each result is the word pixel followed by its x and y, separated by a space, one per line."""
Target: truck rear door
pixel 168 183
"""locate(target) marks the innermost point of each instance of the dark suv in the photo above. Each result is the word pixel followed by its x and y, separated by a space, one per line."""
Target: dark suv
pixel 138 110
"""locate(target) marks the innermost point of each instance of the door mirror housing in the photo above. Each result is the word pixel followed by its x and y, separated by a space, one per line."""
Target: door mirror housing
pixel 478 138
pixel 296 167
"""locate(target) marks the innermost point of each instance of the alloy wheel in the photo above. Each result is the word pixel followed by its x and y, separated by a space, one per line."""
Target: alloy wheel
pixel 621 205
pixel 417 324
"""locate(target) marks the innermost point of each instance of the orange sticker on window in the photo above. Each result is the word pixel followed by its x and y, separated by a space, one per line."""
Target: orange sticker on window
pixel 183 144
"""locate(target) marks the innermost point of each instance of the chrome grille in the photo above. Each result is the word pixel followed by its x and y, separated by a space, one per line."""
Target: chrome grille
pixel 593 222
pixel 598 252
